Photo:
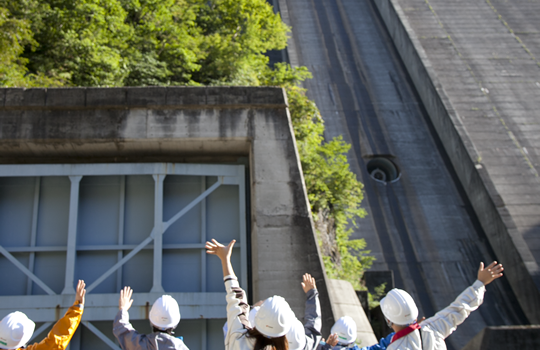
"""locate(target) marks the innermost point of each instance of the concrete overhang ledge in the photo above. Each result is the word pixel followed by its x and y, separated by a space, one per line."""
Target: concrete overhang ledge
pixel 145 97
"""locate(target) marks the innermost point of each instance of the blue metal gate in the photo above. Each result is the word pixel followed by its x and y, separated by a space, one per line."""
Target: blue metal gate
pixel 142 225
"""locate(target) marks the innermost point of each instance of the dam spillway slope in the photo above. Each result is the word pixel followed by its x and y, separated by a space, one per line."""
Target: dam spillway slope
pixel 422 226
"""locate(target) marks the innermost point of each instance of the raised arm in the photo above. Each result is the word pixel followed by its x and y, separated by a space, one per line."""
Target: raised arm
pixel 127 336
pixel 223 253
pixel 312 313
pixel 61 333
pixel 446 321
pixel 237 306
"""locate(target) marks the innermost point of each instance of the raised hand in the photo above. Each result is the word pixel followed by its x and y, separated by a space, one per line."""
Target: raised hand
pixel 80 292
pixel 218 249
pixel 308 283
pixel 125 301
pixel 490 273
pixel 223 253
pixel 332 340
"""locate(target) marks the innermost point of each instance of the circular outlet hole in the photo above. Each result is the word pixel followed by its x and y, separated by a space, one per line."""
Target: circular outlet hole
pixel 383 169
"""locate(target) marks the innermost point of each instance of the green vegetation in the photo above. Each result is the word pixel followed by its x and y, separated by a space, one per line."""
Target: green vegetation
pixel 333 191
pixel 47 43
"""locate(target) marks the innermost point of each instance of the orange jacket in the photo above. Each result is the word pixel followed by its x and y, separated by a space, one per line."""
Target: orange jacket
pixel 62 331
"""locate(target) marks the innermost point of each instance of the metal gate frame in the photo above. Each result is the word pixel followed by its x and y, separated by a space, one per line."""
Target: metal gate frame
pixel 43 308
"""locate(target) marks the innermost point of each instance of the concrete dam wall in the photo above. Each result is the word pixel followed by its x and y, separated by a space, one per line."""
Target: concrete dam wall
pixel 394 84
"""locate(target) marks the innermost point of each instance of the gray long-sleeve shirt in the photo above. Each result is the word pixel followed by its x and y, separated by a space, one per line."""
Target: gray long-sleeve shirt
pixel 130 339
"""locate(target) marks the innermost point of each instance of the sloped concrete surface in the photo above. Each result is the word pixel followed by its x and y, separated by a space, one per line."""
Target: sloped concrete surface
pixel 423 226
pixel 506 337
pixel 475 65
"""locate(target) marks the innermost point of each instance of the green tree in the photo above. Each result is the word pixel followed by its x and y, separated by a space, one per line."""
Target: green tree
pixel 15 35
pixel 237 33
pixel 142 42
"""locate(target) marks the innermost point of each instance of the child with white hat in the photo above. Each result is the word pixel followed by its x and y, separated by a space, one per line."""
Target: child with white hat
pixel 164 317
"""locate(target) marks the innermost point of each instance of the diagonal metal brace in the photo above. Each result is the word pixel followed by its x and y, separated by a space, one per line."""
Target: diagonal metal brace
pixel 27 272
pixel 100 335
pixel 154 233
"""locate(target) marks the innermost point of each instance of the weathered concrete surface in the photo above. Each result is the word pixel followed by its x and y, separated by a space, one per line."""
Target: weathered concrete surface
pixel 506 337
pixel 475 66
pixel 421 227
pixel 109 125
pixel 345 303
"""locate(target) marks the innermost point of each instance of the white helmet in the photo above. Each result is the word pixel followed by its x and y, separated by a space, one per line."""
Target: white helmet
pixel 399 307
pixel 296 336
pixel 165 313
pixel 15 330
pixel 345 328
pixel 274 317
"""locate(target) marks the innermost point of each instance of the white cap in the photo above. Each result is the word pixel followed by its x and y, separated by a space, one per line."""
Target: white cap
pixel 296 336
pixel 274 317
pixel 165 313
pixel 15 330
pixel 252 313
pixel 345 328
pixel 399 307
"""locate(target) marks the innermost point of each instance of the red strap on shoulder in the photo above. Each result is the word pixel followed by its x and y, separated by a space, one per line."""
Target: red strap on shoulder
pixel 404 332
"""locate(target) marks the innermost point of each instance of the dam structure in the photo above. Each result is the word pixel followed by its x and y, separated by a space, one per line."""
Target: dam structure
pixel 440 102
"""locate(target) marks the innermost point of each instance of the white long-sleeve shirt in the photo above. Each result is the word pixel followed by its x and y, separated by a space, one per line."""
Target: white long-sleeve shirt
pixel 435 329
pixel 237 317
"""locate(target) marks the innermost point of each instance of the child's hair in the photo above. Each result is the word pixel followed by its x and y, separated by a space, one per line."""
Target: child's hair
pixel 279 343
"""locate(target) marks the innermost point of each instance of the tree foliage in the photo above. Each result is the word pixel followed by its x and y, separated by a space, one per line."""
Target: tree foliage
pixel 187 42
pixel 139 42
pixel 333 190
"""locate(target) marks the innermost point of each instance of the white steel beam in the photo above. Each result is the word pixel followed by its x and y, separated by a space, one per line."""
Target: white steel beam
pixel 33 233
pixel 72 234
pixel 104 307
pixel 117 169
pixel 158 230
pixel 203 236
pixel 121 213
pixel 242 219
